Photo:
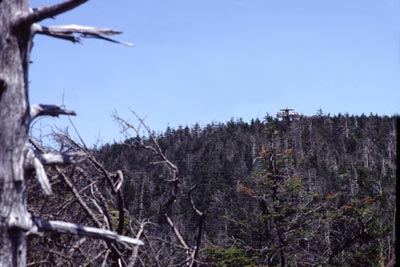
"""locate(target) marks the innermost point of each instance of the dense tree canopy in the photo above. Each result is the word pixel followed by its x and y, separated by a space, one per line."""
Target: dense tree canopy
pixel 313 191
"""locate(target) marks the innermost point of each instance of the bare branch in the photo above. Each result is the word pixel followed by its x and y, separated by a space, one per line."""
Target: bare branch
pixel 177 233
pixel 104 205
pixel 153 252
pixel 104 264
pixel 156 149
pixel 160 153
pixel 46 12
pixel 83 204
pixel 49 110
pixel 36 146
pixel 62 159
pixel 71 200
pixel 191 252
pixel 42 177
pixel 119 181
pixel 83 145
pixel 192 201
pixel 200 228
pixel 70 32
pixel 37 160
pixel 165 242
pixel 96 258
pixel 73 28
pixel 71 228
pixel 97 164
pixel 77 245
pixel 34 162
pixel 115 186
pixel 62 255
pixel 135 250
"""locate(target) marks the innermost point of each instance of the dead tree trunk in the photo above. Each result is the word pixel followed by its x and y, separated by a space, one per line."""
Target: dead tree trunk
pixel 14 125
pixel 18 25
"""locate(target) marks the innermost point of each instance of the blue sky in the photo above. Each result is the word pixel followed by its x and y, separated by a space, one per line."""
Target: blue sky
pixel 211 60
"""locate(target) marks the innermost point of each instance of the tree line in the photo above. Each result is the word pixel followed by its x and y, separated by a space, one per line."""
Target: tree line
pixel 315 191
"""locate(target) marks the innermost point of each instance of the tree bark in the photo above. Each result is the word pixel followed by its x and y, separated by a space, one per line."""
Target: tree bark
pixel 15 43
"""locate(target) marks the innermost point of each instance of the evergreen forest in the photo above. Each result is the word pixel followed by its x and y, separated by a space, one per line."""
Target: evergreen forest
pixel 302 192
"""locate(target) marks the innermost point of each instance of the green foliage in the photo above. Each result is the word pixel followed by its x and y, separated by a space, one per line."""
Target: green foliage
pixel 229 257
pixel 115 218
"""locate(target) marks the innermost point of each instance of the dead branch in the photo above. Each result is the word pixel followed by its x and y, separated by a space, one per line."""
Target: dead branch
pixel 31 161
pixel 116 254
pixel 62 159
pixel 177 233
pixel 71 200
pixel 74 33
pixel 116 185
pixel 36 146
pixel 63 256
pixel 49 110
pixel 155 148
pixel 104 264
pixel 135 250
pixel 104 205
pixel 164 241
pixel 200 227
pixel 46 12
pixel 113 248
pixel 83 204
pixel 119 181
pixel 97 164
pixel 155 255
pixel 96 258
pixel 36 161
pixel 102 210
pixel 195 209
pixel 71 228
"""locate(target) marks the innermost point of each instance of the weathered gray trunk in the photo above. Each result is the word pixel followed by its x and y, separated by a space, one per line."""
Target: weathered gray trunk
pixel 14 126
pixel 18 24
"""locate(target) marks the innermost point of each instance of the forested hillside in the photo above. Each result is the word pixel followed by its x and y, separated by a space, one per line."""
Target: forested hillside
pixel 314 191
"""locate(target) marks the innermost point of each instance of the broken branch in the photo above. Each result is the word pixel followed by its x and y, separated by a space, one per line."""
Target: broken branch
pixel 49 110
pixel 70 32
pixel 62 159
pixel 71 228
pixel 46 12
pixel 34 162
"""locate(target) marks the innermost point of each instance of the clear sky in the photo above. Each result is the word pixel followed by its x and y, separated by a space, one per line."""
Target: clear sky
pixel 211 60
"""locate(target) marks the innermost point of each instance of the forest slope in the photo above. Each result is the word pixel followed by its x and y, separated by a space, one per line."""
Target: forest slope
pixel 316 190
